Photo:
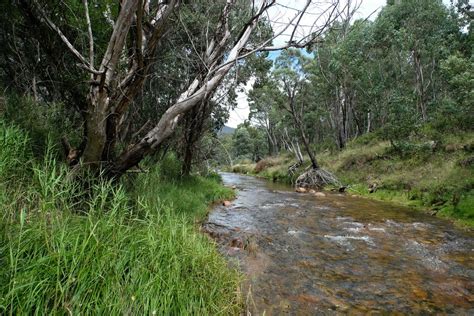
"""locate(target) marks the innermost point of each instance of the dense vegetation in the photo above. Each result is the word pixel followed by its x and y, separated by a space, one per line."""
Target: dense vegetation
pixel 120 249
pixel 110 113
pixel 388 102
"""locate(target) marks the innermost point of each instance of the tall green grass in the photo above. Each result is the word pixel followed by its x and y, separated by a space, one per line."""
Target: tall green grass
pixel 117 249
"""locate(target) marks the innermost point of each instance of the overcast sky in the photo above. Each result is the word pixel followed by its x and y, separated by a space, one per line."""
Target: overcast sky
pixel 279 14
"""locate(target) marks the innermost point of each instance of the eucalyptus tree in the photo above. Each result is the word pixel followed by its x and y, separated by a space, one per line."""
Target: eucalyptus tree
pixel 263 99
pixel 249 142
pixel 290 72
pixel 349 81
pixel 420 35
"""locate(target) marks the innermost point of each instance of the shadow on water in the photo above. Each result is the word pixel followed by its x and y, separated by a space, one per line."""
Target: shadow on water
pixel 306 255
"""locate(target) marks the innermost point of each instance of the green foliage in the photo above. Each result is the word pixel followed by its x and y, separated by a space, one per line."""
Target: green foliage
pixel 366 139
pixel 169 168
pixel 242 143
pixel 15 152
pixel 457 110
pixel 462 209
pixel 43 122
pixel 118 251
pixel 249 143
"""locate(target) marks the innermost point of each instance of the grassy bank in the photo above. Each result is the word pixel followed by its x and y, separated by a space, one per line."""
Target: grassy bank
pixel 132 248
pixel 438 178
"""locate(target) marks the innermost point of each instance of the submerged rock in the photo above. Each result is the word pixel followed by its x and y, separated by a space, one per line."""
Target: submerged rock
pixel 237 243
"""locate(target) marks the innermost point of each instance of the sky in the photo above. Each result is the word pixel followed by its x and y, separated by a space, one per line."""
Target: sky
pixel 279 14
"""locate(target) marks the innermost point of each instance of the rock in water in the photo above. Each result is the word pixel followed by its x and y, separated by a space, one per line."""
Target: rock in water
pixel 320 194
pixel 237 243
pixel 226 203
pixel 300 190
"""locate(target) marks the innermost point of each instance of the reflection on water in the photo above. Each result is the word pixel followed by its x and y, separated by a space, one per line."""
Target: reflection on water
pixel 307 255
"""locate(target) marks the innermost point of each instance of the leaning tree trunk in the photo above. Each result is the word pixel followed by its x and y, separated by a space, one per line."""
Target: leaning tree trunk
pixel 314 177
pixel 115 84
pixel 199 90
pixel 304 138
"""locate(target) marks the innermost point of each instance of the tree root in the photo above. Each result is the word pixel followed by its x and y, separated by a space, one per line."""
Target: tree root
pixel 292 169
pixel 316 179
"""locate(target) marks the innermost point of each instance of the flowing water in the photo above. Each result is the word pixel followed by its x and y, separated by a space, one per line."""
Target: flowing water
pixel 308 255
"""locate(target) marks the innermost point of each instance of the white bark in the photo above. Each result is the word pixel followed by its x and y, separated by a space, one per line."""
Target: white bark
pixel 89 32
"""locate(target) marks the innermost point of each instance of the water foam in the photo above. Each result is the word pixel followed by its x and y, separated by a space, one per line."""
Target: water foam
pixel 345 240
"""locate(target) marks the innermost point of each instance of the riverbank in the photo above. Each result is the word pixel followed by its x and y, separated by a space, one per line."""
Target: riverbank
pixel 132 248
pixel 437 178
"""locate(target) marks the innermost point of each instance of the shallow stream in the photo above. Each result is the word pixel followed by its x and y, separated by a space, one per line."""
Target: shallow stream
pixel 308 255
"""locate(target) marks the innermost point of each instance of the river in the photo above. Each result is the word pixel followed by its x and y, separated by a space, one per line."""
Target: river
pixel 308 255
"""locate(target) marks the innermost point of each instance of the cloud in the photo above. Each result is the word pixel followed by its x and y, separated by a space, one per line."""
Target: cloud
pixel 241 112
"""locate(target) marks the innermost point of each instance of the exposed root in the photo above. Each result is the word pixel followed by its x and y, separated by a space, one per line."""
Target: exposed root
pixel 292 169
pixel 316 179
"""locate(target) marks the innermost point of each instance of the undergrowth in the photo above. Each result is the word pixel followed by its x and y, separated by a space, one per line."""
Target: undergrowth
pixel 117 249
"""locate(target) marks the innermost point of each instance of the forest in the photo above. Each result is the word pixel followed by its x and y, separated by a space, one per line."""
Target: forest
pixel 112 120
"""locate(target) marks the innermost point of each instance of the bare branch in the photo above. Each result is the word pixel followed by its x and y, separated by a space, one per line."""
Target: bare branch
pixel 87 68
pixel 89 31
pixel 299 19
pixel 63 37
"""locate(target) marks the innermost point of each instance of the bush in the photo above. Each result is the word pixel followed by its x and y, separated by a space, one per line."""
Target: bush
pixel 15 152
pixel 243 168
pixel 366 139
pixel 43 121
pixel 263 164
pixel 169 168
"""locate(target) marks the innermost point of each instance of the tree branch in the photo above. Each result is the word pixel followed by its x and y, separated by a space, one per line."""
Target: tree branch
pixel 117 39
pixel 63 37
pixel 139 35
pixel 89 31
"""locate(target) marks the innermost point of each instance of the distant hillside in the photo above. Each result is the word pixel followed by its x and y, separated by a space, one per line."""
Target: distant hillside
pixel 226 130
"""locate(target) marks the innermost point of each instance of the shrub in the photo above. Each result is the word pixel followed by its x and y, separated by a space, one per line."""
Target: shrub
pixel 263 164
pixel 42 121
pixel 15 152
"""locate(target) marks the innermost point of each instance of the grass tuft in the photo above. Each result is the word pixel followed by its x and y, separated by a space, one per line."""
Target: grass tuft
pixel 122 250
